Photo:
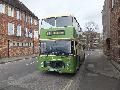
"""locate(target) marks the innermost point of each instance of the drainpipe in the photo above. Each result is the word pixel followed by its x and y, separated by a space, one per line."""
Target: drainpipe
pixel 8 49
pixel 33 46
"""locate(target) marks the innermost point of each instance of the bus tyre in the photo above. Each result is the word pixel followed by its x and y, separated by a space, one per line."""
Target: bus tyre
pixel 77 69
pixel 84 57
pixel 74 73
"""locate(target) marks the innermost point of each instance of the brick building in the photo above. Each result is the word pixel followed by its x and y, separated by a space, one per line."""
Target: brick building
pixel 92 40
pixel 19 29
pixel 111 28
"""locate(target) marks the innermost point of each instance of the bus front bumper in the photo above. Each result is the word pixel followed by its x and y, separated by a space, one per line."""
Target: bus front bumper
pixel 64 69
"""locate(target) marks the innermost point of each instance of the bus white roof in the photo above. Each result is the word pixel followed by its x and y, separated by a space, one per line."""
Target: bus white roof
pixel 58 15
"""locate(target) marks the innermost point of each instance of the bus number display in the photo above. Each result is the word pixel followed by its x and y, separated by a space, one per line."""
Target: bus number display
pixel 58 32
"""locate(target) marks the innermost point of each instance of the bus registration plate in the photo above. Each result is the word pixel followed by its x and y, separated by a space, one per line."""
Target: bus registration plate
pixel 51 69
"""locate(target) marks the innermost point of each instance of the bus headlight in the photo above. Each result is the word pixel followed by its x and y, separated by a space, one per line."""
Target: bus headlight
pixel 42 64
pixel 68 64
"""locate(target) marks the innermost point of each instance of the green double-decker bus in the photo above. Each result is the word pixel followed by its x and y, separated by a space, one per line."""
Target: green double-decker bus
pixel 60 51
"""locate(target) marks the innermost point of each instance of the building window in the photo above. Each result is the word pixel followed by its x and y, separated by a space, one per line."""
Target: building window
pixel 18 30
pixel 10 44
pixel 27 44
pixel 10 11
pixel 22 44
pixel 35 22
pixel 35 34
pixel 13 44
pixel 1 26
pixel 18 15
pixel 31 20
pixel 23 16
pixel 10 29
pixel 2 8
pixel 30 44
pixel 26 32
pixel 113 3
pixel 26 18
pixel 17 44
pixel 30 33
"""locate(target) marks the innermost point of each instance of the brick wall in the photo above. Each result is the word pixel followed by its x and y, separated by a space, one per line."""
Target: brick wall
pixel 111 30
pixel 5 40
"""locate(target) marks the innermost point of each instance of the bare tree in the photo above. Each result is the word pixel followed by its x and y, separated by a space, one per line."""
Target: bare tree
pixel 91 26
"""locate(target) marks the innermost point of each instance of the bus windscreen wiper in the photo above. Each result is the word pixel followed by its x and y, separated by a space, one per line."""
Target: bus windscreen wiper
pixel 61 52
pixel 48 52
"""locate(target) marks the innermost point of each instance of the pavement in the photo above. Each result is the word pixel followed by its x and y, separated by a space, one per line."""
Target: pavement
pixel 102 65
pixel 116 65
pixel 12 59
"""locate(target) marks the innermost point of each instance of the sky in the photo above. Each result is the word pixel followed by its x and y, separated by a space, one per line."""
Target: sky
pixel 83 10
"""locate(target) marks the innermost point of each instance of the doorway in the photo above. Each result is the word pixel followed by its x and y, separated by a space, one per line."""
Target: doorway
pixel 108 43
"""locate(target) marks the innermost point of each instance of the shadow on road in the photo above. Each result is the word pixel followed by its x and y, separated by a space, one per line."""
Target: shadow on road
pixel 58 74
pixel 14 88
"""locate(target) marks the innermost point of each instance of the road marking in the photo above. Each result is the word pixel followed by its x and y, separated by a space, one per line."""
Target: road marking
pixel 27 64
pixel 86 56
pixel 33 62
pixel 8 63
pixel 92 74
pixel 68 85
pixel 91 66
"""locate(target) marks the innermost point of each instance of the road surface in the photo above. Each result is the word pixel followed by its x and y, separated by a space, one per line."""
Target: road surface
pixel 23 75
